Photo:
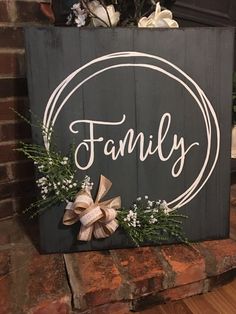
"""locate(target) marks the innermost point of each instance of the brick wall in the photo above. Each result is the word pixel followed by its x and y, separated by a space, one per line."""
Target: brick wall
pixel 16 173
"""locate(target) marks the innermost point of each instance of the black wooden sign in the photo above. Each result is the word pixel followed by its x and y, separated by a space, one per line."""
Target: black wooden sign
pixel 150 109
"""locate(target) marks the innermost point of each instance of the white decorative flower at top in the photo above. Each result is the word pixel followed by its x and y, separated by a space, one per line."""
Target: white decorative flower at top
pixel 158 18
pixel 80 15
pixel 98 10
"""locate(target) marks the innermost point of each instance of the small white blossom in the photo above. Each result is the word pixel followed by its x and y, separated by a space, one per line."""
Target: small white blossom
pixel 150 203
pixel 164 207
pixel 132 219
pixel 80 15
pixel 86 184
pixel 146 197
pixel 139 198
pixel 152 220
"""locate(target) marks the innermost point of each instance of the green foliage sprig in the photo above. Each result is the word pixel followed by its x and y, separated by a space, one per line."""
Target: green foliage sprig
pixel 152 221
pixel 56 173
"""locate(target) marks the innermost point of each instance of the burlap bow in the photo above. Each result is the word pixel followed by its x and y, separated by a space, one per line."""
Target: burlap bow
pixel 97 218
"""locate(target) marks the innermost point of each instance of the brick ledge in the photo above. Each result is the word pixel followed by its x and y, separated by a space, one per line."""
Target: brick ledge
pixel 108 282
pixel 135 278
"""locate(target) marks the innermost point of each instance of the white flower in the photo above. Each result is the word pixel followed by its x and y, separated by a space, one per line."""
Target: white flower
pixel 86 184
pixel 80 15
pixel 139 198
pixel 146 197
pixel 165 207
pixel 98 10
pixel 80 20
pixel 131 213
pixel 152 220
pixel 158 18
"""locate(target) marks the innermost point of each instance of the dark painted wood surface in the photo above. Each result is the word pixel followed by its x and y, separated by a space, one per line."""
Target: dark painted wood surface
pixel 144 96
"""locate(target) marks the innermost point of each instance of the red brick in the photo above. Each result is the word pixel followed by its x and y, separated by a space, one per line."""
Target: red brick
pixel 233 223
pixel 8 152
pixel 23 202
pixel 4 12
pixel 11 37
pixel 47 286
pixel 3 173
pixel 5 299
pixel 6 209
pixel 182 291
pixel 186 262
pixel 30 282
pixel 223 256
pixel 18 104
pixel 10 131
pixel 7 268
pixel 142 269
pixel 21 170
pixel 12 63
pixel 94 278
pixel 13 87
pixel 61 306
pixel 13 234
pixel 4 262
pixel 30 12
pixel 16 188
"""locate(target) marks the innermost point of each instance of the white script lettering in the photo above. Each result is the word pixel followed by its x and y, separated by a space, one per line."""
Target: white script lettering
pixel 130 142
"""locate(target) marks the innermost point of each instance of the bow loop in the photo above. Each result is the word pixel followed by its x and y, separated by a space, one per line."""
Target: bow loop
pixel 83 200
pixel 103 189
pixel 96 218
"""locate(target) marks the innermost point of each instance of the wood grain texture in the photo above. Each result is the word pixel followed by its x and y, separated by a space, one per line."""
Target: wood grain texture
pixel 220 301
pixel 206 55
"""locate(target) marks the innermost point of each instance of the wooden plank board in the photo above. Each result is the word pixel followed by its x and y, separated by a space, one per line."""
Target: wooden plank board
pixel 174 89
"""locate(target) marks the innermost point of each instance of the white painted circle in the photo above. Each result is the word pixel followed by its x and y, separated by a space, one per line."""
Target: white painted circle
pixel 51 112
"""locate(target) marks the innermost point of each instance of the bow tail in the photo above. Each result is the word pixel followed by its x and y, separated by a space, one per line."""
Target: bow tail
pixel 85 233
pixel 104 230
